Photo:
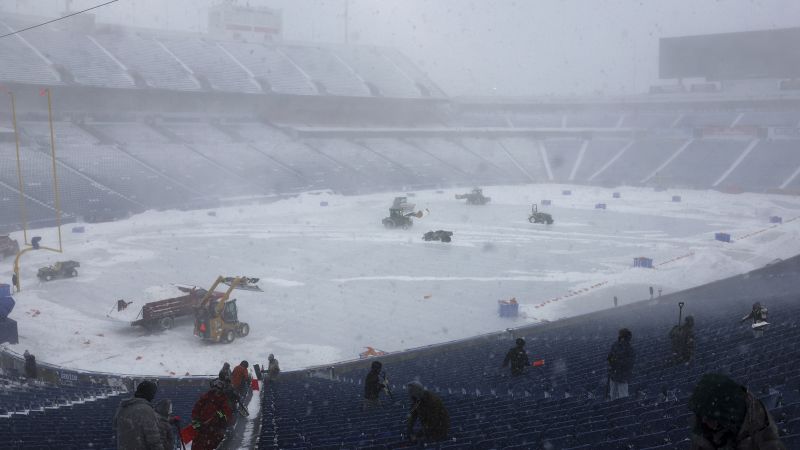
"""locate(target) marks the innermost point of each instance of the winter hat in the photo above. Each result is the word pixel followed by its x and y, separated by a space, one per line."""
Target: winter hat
pixel 163 407
pixel 244 364
pixel 719 398
pixel 146 390
pixel 625 334
pixel 271 357
pixel 415 389
pixel 376 365
pixel 520 342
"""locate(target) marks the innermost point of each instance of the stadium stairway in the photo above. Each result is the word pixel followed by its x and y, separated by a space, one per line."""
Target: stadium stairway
pixel 562 404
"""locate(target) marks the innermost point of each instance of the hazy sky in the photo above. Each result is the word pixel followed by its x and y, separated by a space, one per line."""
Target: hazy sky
pixel 482 47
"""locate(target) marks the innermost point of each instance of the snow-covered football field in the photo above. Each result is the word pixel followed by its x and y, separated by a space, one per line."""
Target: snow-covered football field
pixel 335 281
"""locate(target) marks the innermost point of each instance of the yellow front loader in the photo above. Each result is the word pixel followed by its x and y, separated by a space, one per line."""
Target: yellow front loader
pixel 217 319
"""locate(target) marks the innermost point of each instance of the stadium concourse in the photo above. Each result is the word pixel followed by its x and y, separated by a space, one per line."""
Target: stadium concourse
pixel 146 121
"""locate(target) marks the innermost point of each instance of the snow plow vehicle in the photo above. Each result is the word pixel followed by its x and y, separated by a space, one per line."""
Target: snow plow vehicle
pixel 8 246
pixel 438 235
pixel 161 314
pixel 475 197
pixel 217 318
pixel 400 214
pixel 61 269
pixel 539 217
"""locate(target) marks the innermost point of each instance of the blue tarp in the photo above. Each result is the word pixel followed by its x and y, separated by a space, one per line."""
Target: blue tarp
pixel 6 306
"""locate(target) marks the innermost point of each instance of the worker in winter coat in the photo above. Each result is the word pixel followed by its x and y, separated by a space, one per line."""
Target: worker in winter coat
pixel 432 415
pixel 135 422
pixel 682 339
pixel 163 410
pixel 727 416
pixel 517 357
pixel 210 417
pixel 225 373
pixel 240 379
pixel 273 369
pixel 759 316
pixel 31 369
pixel 373 385
pixel 620 365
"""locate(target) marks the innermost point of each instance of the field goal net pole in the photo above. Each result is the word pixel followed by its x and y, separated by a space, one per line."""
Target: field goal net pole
pixel 56 193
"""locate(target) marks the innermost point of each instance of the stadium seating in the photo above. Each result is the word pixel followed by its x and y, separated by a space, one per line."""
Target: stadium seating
pixel 594 120
pixel 76 417
pixel 639 161
pixel 329 73
pixel 376 69
pixel 649 121
pixel 561 404
pixel 470 168
pixel 526 120
pixel 767 166
pixel 23 65
pixel 79 196
pixel 210 63
pixel 527 155
pixel 148 59
pixel 598 153
pixel 84 62
pixel 377 172
pixel 426 170
pixel 561 156
pixel 703 162
pixel 493 152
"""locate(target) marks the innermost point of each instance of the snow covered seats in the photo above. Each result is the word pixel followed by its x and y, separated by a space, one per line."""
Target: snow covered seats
pixel 561 404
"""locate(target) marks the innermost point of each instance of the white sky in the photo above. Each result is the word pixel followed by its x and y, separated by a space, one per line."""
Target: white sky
pixel 483 47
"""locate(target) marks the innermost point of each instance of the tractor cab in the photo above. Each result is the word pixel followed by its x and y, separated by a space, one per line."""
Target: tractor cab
pixel 230 313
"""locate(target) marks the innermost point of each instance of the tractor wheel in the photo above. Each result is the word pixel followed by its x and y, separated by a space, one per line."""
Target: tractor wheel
pixel 166 323
pixel 73 273
pixel 389 223
pixel 531 219
pixel 549 221
pixel 243 329
pixel 228 336
pixel 48 277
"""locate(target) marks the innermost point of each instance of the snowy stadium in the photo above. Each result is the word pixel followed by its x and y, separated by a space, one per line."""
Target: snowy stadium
pixel 155 183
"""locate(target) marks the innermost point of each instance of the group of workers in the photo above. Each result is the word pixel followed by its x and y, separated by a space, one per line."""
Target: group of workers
pixel 139 424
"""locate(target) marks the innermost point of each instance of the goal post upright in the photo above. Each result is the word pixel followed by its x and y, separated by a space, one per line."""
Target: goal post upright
pixel 55 176
pixel 57 197
pixel 23 213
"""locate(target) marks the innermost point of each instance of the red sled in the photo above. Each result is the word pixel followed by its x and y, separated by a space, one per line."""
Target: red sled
pixel 254 384
pixel 187 434
pixel 538 363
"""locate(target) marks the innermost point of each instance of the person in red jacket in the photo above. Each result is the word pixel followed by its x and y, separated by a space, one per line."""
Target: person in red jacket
pixel 210 417
pixel 240 379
